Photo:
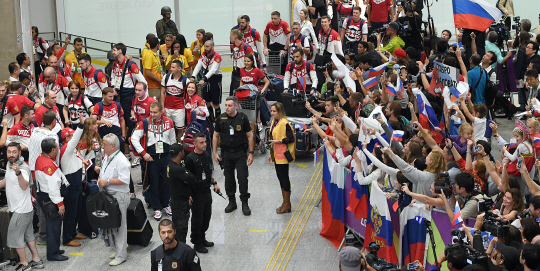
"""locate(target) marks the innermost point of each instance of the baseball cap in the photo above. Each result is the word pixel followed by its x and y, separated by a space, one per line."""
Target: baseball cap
pixel 66 132
pixel 394 25
pixel 350 258
pixel 510 255
pixel 400 53
pixel 176 148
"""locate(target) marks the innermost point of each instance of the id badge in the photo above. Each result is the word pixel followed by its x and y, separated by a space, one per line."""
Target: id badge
pixel 117 84
pixel 203 176
pixel 231 131
pixel 159 147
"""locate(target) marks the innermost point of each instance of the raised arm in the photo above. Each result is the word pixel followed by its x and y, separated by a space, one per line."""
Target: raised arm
pixel 423 198
pixel 462 66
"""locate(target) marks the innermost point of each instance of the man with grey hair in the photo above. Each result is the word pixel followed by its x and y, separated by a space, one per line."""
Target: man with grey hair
pixel 50 180
pixel 57 83
pixel 236 135
pixel 491 46
pixel 525 26
pixel 210 63
pixel 114 176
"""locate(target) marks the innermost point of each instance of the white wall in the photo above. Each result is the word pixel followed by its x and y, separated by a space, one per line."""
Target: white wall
pixel 43 15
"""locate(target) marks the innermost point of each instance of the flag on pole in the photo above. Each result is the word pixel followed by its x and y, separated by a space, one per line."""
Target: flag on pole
pixel 397 135
pixel 457 215
pixel 371 82
pixel 475 14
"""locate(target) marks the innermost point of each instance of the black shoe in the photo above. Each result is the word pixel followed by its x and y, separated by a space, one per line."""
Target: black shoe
pixel 59 258
pixel 21 267
pixel 207 244
pixel 231 207
pixel 36 265
pixel 245 209
pixel 61 251
pixel 200 248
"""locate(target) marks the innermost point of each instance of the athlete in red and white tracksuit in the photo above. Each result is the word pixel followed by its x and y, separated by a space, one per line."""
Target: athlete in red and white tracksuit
pixel 11 111
pixel 334 42
pixel 196 103
pixel 39 116
pixel 60 87
pixel 93 89
pixel 21 133
pixel 254 39
pixel 291 80
pixel 140 108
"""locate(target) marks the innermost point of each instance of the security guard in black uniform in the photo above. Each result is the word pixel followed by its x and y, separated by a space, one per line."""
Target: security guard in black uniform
pixel 233 129
pixel 180 182
pixel 199 162
pixel 173 255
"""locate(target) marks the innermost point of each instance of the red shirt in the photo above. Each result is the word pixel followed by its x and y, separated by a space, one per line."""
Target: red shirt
pixel 251 77
pixel 20 100
pixel 379 10
pixel 193 103
pixel 251 39
pixel 112 112
pixel 277 33
pixel 299 72
pixel 42 109
pixel 142 108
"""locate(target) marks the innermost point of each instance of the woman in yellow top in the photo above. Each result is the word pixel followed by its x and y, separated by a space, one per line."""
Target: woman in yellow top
pixel 186 52
pixel 175 54
pixel 166 48
pixel 197 45
pixel 282 152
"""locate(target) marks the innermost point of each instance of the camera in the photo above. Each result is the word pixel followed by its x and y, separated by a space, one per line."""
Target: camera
pixel 495 226
pixel 326 67
pixel 447 188
pixel 519 162
pixel 412 266
pixel 377 31
pixel 476 149
pixel 377 263
pixel 485 205
pixel 517 25
pixel 459 244
pixel 523 214
pixel 503 32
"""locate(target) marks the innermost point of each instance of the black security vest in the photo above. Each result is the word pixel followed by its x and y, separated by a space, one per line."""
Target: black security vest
pixel 177 261
pixel 239 138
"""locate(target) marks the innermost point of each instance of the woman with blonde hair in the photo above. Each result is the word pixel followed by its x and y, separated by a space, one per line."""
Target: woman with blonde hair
pixel 282 152
pixel 307 29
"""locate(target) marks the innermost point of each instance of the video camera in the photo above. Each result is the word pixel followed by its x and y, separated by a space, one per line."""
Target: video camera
pixel 302 97
pixel 447 188
pixel 495 226
pixel 377 263
pixel 503 32
pixel 325 67
pixel 517 23
pixel 523 214
pixel 485 205
pixel 458 244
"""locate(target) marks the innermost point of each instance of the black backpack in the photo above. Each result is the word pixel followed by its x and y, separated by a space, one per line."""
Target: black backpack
pixel 103 211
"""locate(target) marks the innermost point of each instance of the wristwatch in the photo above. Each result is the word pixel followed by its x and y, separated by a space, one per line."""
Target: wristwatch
pixel 108 182
pixel 251 152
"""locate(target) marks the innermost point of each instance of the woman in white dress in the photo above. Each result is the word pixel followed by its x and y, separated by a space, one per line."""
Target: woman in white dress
pixel 307 29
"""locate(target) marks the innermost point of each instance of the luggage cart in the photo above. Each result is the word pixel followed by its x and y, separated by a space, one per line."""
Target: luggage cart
pixel 250 107
pixel 274 61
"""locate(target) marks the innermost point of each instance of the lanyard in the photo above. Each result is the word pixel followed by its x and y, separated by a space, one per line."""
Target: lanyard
pixel 110 160
pixel 159 62
pixel 161 126
pixel 48 84
pixel 46 155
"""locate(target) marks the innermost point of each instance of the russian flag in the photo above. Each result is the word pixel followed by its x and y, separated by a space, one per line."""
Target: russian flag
pixel 475 14
pixel 413 233
pixel 379 228
pixel 302 83
pixel 317 156
pixel 537 142
pixel 358 198
pixel 457 215
pixel 377 70
pixel 301 126
pixel 397 135
pixel 426 116
pixel 512 143
pixel 395 91
pixel 371 82
pixel 333 203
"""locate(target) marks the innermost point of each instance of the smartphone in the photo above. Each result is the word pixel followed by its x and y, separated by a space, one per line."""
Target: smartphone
pixel 520 161
pixel 376 116
pixel 175 51
pixel 476 149
pixel 412 266
pixel 414 126
pixel 69 37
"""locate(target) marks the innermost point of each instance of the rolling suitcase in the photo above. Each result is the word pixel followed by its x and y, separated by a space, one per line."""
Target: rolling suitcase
pixel 138 227
pixel 303 140
pixel 7 253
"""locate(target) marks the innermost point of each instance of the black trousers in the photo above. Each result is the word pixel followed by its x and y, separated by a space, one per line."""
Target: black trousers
pixel 231 161
pixel 201 212
pixel 180 217
pixel 282 171
pixel 54 228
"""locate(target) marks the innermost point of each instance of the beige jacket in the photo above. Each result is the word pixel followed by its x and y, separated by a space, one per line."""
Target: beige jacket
pixel 507 7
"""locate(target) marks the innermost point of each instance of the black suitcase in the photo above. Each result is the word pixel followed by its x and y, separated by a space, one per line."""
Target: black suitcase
pixel 303 141
pixel 136 215
pixel 139 229
pixel 294 107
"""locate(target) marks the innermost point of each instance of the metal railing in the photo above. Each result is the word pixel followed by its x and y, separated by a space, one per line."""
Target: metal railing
pixel 91 44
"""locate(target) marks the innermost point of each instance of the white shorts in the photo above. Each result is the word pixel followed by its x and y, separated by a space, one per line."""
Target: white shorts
pixel 178 116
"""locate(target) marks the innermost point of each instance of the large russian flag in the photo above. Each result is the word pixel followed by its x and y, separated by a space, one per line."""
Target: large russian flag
pixel 475 14
pixel 413 234
pixel 358 198
pixel 379 228
pixel 333 203
pixel 426 116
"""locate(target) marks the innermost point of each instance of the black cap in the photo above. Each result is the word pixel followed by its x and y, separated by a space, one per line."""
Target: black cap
pixel 510 254
pixel 177 148
pixel 394 25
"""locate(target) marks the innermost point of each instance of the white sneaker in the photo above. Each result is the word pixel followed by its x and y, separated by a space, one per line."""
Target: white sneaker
pixel 136 161
pixel 133 196
pixel 157 215
pixel 167 211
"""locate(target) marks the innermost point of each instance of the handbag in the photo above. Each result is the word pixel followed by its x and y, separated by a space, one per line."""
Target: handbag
pixel 103 210
pixel 288 155
pixel 51 209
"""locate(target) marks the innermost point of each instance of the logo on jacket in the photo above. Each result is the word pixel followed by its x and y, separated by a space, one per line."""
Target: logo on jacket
pixel 100 214
pixel 276 33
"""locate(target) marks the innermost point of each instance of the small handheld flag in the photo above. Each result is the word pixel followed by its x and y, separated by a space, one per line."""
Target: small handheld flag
pixel 377 70
pixel 397 135
pixel 457 215
pixel 371 82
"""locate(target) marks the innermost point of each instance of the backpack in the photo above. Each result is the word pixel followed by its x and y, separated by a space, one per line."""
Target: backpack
pixel 308 68
pixel 184 82
pixel 193 128
pixel 118 107
pixel 83 104
pixel 490 91
pixel 302 38
pixel 106 76
pixel 143 139
pixel 350 18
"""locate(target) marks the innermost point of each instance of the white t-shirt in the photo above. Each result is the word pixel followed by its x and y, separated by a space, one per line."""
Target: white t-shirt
pixel 479 126
pixel 19 201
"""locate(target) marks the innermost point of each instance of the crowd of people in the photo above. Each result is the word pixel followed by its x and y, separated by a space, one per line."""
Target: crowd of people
pixel 70 129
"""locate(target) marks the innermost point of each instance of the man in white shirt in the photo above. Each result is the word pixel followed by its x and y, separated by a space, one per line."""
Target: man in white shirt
pixel 115 175
pixel 14 71
pixel 20 229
